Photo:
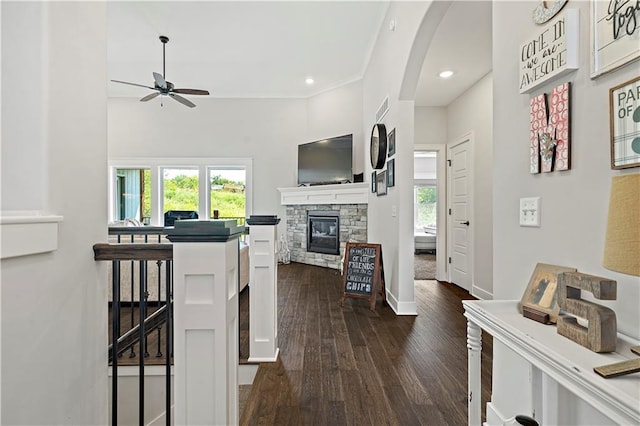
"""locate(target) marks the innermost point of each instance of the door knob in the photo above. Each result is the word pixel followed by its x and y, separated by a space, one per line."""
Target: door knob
pixel 465 223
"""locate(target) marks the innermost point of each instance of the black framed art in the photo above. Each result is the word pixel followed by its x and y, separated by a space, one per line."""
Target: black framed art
pixel 381 183
pixel 391 173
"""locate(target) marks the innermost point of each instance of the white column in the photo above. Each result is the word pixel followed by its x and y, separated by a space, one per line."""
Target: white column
pixel 263 294
pixel 474 349
pixel 206 332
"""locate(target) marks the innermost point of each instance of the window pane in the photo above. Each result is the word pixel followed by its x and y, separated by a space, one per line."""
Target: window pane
pixel 180 190
pixel 133 194
pixel 426 206
pixel 228 195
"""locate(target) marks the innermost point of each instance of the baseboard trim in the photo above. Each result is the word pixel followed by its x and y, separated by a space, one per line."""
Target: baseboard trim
pixel 480 293
pixel 264 359
pixel 402 308
pixel 494 417
pixel 246 373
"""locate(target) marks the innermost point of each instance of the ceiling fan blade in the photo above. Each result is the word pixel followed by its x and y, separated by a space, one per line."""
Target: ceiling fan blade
pixel 183 101
pixel 149 97
pixel 133 84
pixel 160 82
pixel 191 91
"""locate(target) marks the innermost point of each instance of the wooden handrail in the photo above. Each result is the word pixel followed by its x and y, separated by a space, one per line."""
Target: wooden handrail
pixel 136 230
pixel 143 251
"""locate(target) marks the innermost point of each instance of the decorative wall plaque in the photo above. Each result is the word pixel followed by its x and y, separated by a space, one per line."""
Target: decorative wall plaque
pixel 550 53
pixel 615 29
pixel 550 130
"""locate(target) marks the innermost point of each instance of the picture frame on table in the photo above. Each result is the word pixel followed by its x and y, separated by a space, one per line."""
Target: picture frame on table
pixel 612 44
pixel 391 173
pixel 391 143
pixel 374 187
pixel 541 294
pixel 381 183
pixel 624 118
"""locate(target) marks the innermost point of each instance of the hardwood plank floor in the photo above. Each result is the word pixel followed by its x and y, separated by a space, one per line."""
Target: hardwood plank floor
pixel 351 366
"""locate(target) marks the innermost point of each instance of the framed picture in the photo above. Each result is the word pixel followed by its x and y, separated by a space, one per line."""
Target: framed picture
pixel 381 183
pixel 373 181
pixel 624 117
pixel 391 142
pixel 614 39
pixel 391 172
pixel 541 293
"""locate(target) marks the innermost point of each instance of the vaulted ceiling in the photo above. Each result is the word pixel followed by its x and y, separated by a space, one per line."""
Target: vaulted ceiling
pixel 266 49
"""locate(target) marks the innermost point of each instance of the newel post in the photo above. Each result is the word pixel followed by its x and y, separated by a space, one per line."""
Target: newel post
pixel 205 323
pixel 263 294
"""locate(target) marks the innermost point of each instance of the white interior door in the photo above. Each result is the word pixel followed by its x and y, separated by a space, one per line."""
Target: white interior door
pixel 460 184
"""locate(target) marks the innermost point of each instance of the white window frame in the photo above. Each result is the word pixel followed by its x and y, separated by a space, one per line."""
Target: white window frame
pixel 157 166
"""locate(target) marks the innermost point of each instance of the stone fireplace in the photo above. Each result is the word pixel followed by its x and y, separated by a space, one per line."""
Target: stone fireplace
pixel 345 205
pixel 352 220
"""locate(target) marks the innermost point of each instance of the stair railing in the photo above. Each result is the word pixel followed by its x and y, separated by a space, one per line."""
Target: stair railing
pixel 143 244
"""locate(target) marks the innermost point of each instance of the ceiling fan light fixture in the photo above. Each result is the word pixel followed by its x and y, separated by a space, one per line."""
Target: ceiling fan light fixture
pixel 446 74
pixel 163 87
pixel 309 81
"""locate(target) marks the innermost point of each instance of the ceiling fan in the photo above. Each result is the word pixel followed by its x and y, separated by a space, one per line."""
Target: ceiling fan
pixel 164 87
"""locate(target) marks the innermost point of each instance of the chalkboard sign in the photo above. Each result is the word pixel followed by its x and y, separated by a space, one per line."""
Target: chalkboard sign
pixel 363 272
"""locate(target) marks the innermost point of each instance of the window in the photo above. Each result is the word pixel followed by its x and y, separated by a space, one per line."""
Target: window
pixel 227 192
pixel 425 207
pixel 133 200
pixel 180 189
pixel 145 189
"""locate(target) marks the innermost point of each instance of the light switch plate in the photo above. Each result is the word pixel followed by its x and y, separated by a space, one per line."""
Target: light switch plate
pixel 530 211
pixel 394 211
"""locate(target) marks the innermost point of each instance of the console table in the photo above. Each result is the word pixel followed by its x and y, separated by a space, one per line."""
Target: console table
pixel 563 360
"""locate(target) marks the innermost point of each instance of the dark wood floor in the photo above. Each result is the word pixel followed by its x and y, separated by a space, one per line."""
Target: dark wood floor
pixel 351 366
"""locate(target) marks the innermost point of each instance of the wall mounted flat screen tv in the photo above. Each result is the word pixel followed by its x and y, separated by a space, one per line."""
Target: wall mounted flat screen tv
pixel 325 162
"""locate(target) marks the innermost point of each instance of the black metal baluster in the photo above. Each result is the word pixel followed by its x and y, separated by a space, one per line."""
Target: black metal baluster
pixel 132 354
pixel 142 342
pixel 146 296
pixel 115 330
pixel 159 350
pixel 168 340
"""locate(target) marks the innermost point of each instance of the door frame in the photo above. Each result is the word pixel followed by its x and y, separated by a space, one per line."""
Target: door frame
pixel 441 201
pixel 467 137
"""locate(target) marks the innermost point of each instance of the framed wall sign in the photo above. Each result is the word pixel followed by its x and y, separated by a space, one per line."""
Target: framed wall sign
pixel 615 30
pixel 624 114
pixel 550 52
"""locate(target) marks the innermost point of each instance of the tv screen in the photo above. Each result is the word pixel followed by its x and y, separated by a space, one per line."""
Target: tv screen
pixel 326 161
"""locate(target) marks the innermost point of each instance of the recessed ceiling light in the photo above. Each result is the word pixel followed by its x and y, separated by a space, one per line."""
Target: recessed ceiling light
pixel 309 81
pixel 446 74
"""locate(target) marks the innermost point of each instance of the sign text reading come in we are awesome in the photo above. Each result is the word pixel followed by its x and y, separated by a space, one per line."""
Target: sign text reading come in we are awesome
pixel 550 53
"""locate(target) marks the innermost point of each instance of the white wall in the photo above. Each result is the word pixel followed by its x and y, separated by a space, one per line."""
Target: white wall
pixel 54 319
pixel 24 113
pixel 339 112
pixel 430 125
pixel 573 203
pixel 473 111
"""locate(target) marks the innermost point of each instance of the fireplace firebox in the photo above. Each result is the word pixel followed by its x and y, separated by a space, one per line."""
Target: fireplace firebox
pixel 323 231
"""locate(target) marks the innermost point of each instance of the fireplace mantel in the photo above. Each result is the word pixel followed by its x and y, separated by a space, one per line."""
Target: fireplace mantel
pixel 347 193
